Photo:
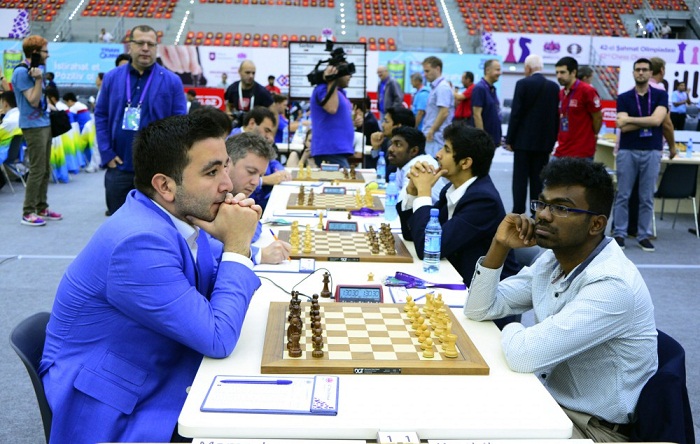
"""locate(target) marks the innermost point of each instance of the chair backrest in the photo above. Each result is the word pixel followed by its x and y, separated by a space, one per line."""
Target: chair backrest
pixel 678 181
pixel 13 154
pixel 27 339
pixel 527 256
pixel 663 410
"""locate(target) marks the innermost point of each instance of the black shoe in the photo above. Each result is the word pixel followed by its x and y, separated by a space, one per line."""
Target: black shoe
pixel 646 245
pixel 620 242
pixel 107 213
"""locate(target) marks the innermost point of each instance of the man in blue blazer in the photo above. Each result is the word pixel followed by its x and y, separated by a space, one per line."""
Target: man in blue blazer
pixel 145 300
pixel 532 130
pixel 132 96
pixel 470 206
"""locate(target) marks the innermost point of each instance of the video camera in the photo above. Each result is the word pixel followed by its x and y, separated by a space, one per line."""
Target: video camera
pixel 338 60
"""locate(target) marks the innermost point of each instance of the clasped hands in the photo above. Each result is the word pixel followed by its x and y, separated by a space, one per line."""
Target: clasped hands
pixel 234 224
pixel 422 177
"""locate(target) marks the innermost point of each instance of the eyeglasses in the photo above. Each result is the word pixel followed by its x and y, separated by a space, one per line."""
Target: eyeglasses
pixel 641 69
pixel 45 51
pixel 557 210
pixel 143 44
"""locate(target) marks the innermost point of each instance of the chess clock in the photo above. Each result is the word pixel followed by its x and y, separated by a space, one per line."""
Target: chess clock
pixel 334 190
pixel 330 167
pixel 359 293
pixel 337 225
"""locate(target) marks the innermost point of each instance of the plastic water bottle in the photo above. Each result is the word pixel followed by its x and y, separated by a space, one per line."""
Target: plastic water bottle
pixel 689 149
pixel 381 170
pixel 392 196
pixel 285 134
pixel 433 237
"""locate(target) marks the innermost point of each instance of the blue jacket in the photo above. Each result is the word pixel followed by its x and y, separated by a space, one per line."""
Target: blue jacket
pixel 165 97
pixel 467 235
pixel 132 318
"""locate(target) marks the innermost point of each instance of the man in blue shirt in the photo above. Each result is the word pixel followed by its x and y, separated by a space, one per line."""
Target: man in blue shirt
pixel 132 96
pixel 486 108
pixel 593 344
pixel 679 102
pixel 641 112
pixel 420 98
pixel 27 83
pixel 440 108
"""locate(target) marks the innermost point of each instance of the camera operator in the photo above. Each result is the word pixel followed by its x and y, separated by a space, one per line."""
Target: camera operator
pixel 245 94
pixel 331 117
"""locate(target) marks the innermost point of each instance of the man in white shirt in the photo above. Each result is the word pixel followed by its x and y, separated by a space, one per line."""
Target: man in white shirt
pixel 408 147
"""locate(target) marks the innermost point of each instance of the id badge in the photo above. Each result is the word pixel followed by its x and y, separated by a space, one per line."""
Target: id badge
pixel 132 119
pixel 645 132
pixel 565 124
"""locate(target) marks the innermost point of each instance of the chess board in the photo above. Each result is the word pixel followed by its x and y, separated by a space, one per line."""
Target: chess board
pixel 334 202
pixel 341 246
pixel 330 176
pixel 364 339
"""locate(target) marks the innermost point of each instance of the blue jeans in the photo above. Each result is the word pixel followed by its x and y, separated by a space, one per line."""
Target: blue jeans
pixel 118 183
pixel 630 165
pixel 340 159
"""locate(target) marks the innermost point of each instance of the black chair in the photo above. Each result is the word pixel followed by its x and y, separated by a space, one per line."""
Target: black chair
pixel 27 339
pixel 679 181
pixel 663 410
pixel 11 161
pixel 527 256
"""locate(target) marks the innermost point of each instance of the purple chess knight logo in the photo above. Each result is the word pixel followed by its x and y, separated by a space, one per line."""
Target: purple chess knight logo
pixel 681 54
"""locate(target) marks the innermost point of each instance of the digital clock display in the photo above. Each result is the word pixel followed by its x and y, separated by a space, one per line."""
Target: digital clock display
pixel 334 190
pixel 334 225
pixel 330 167
pixel 359 293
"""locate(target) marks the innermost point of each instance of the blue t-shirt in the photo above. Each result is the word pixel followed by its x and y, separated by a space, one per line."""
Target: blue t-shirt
pixel 333 133
pixel 29 116
pixel 282 123
pixel 420 101
pixel 484 96
pixel 627 102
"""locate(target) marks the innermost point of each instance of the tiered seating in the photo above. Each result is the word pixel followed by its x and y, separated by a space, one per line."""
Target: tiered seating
pixel 610 76
pixel 158 9
pixel 379 44
pixel 40 10
pixel 304 3
pixel 256 40
pixel 408 13
pixel 564 17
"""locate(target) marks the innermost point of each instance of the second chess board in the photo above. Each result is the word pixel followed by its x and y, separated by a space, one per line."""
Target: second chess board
pixel 333 202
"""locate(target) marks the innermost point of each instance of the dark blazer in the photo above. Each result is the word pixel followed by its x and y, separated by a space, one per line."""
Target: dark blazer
pixel 132 318
pixel 467 236
pixel 534 116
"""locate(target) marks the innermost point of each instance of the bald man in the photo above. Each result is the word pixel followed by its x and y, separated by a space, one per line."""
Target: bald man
pixel 389 92
pixel 246 93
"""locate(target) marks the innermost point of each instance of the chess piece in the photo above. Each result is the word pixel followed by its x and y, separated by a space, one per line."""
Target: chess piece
pixel 349 215
pixel 370 277
pixel 293 329
pixel 369 199
pixel 318 347
pixel 409 300
pixel 320 220
pixel 326 293
pixel 353 173
pixel 427 347
pixel 450 347
pixel 310 200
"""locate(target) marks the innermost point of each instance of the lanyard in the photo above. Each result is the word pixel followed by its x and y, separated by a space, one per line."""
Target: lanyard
pixel 565 113
pixel 240 97
pixel 639 107
pixel 143 93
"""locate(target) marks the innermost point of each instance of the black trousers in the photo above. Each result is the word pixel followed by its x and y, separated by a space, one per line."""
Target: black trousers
pixel 678 120
pixel 527 166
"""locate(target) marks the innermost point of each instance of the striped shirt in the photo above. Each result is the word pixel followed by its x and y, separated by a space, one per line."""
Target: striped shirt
pixel 594 340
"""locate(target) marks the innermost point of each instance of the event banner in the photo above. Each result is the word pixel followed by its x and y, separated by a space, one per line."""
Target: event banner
pixel 606 51
pixel 14 23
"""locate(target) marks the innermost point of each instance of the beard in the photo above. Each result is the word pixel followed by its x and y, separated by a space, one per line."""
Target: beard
pixel 191 205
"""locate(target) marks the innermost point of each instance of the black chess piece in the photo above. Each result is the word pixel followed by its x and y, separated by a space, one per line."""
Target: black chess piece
pixel 326 293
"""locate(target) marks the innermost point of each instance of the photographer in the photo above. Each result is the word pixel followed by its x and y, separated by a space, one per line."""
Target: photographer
pixel 331 117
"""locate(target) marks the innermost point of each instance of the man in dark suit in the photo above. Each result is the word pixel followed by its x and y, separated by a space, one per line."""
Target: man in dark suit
pixel 532 130
pixel 470 206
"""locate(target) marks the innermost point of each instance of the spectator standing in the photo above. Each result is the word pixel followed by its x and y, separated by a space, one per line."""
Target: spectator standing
pixel 641 112
pixel 463 109
pixel 105 36
pixel 389 94
pixel 331 115
pixel 224 81
pixel 192 102
pixel 28 85
pixel 420 98
pixel 580 113
pixel 486 107
pixel 666 31
pixel 245 94
pixel 532 130
pixel 679 106
pixel 440 109
pixel 132 96
pixel 271 87
pixel 649 29
pixel 585 74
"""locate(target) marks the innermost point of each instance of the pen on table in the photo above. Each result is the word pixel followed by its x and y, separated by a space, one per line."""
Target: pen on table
pixel 249 381
pixel 421 297
pixel 277 238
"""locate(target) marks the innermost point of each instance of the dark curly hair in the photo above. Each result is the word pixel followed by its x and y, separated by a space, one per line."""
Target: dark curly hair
pixel 590 175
